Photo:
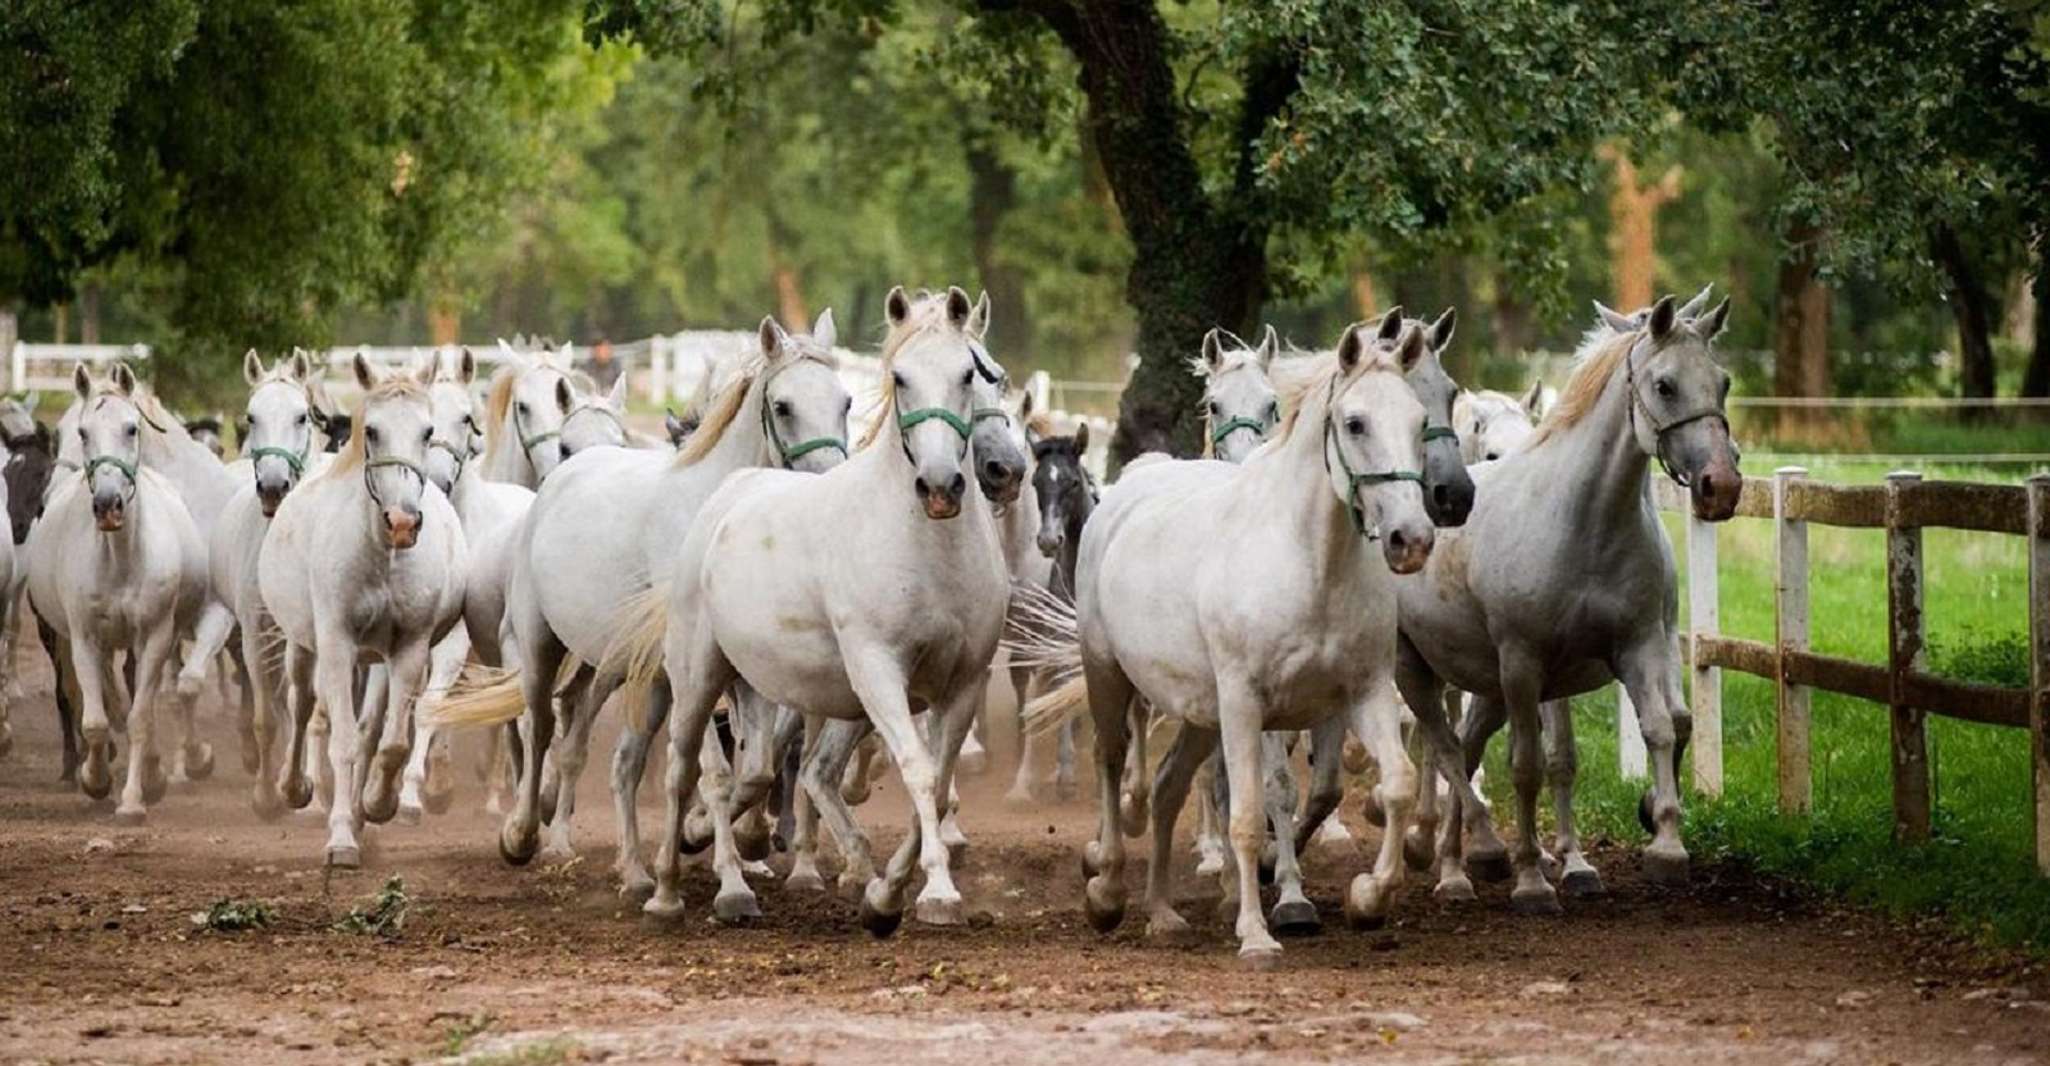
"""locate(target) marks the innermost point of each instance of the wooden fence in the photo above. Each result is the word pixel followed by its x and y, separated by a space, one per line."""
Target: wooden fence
pixel 1903 506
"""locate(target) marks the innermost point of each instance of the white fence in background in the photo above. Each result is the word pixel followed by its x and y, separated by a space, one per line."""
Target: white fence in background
pixel 41 367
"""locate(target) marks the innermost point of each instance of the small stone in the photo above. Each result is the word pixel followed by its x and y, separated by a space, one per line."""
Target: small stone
pixel 98 844
pixel 1855 999
pixel 1537 989
pixel 435 973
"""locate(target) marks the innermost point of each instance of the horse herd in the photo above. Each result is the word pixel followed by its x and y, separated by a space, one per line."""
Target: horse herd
pixel 1363 527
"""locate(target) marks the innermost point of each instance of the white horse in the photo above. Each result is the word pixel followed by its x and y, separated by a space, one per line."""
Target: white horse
pixel 278 439
pixel 539 412
pixel 133 586
pixel 603 534
pixel 1241 599
pixel 1563 580
pixel 849 595
pixel 364 561
pixel 1493 424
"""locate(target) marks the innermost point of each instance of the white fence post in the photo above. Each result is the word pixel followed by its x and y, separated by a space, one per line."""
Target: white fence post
pixel 1040 384
pixel 1704 619
pixel 17 365
pixel 1790 614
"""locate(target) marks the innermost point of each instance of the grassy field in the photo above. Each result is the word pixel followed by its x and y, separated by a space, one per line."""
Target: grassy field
pixel 1978 874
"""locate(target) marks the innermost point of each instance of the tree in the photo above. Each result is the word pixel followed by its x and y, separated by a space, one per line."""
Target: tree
pixel 263 163
pixel 1241 140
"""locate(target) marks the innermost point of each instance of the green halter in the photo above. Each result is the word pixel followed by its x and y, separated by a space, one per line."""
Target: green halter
pixel 127 469
pixel 295 460
pixel 402 463
pixel 1233 425
pixel 789 454
pixel 1354 481
pixel 1432 433
pixel 907 421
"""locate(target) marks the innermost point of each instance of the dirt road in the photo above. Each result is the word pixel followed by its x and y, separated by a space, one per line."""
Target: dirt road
pixel 101 961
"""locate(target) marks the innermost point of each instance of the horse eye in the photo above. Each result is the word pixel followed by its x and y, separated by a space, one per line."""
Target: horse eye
pixel 781 407
pixel 302 420
pixel 521 406
pixel 132 430
pixel 1355 427
pixel 846 405
pixel 370 434
pixel 1665 389
pixel 1215 410
pixel 427 434
pixel 896 380
pixel 968 376
pixel 1273 412
pixel 470 421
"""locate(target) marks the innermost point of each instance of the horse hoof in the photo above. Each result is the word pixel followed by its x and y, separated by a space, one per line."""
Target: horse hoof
pixel 637 889
pixel 806 881
pixel 667 908
pixel 438 802
pixel 380 804
pixel 517 849
pixel 940 911
pixel 199 761
pixel 1366 904
pixel 1644 817
pixel 1536 900
pixel 298 793
pixel 252 756
pixel 1667 870
pixel 265 803
pixel 753 845
pixel 879 922
pixel 1167 926
pixel 1454 890
pixel 1260 956
pixel 1583 883
pixel 1418 849
pixel 1490 867
pixel 130 816
pixel 1105 904
pixel 154 782
pixel 409 814
pixel 345 858
pixel 1295 917
pixel 556 853
pixel 1371 808
pixel 1092 859
pixel 851 884
pixel 736 908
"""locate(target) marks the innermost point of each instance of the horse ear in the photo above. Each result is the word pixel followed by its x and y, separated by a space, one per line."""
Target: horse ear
pixel 123 379
pixel 368 376
pixel 897 306
pixel 1025 406
pixel 1081 438
pixel 616 399
pixel 252 368
pixel 1616 320
pixel 672 424
pixel 978 319
pixel 564 398
pixel 1663 315
pixel 959 309
pixel 1213 348
pixel 1352 346
pixel 1032 437
pixel 302 365
pixel 1441 330
pixel 824 332
pixel 1410 349
pixel 1390 326
pixel 82 381
pixel 29 402
pixel 1533 400
pixel 1269 345
pixel 1693 307
pixel 771 336
pixel 466 367
pixel 1711 324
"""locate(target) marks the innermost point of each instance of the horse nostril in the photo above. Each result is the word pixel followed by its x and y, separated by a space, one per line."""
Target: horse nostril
pixel 956 487
pixel 1441 495
pixel 1707 484
pixel 919 486
pixel 993 471
pixel 1492 456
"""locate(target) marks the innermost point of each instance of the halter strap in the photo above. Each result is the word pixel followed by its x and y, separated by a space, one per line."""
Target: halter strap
pixel 789 454
pixel 1354 480
pixel 295 460
pixel 1233 425
pixel 460 455
pixel 127 468
pixel 1432 433
pixel 375 462
pixel 907 421
pixel 1660 429
pixel 981 413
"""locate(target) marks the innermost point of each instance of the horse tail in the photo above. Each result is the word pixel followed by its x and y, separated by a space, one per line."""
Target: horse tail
pixel 1042 633
pixel 481 697
pixel 635 653
pixel 1049 712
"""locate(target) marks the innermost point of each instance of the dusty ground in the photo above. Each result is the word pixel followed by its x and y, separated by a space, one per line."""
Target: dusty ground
pixel 102 963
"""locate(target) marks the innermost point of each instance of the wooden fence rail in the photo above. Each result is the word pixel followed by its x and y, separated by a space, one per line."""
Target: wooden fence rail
pixel 1903 506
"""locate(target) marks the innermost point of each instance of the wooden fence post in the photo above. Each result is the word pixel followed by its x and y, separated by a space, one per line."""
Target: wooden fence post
pixel 1790 617
pixel 1905 653
pixel 2039 661
pixel 1704 619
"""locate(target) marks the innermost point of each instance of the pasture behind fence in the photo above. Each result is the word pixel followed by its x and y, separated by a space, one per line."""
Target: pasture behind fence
pixel 1903 506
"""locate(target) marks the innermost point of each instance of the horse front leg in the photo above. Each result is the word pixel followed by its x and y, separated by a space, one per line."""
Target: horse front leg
pixel 698 673
pixel 1562 768
pixel 764 730
pixel 819 783
pixel 446 664
pixel 584 698
pixel 210 636
pixel 89 666
pixel 879 683
pixel 1377 721
pixel 1030 747
pixel 1293 912
pixel 297 785
pixel 1209 819
pixel 735 901
pixel 335 678
pixel 407 676
pixel 520 836
pixel 146 779
pixel 1240 719
pixel 1522 681
pixel 69 699
pixel 266 691
pixel 1650 673
pixel 1327 784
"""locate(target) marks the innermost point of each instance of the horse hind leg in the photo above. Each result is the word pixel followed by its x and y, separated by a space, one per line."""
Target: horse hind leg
pixel 520 835
pixel 1376 720
pixel 428 738
pixel 819 779
pixel 1209 831
pixel 1293 913
pixel 1577 876
pixel 1189 750
pixel 629 765
pixel 698 673
pixel 146 781
pixel 67 700
pixel 583 699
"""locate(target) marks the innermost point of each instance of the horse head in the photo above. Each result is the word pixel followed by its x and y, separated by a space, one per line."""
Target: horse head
pixel 1677 396
pixel 933 361
pixel 1448 490
pixel 1062 485
pixel 393 425
pixel 1240 407
pixel 109 428
pixel 277 428
pixel 1373 440
pixel 454 412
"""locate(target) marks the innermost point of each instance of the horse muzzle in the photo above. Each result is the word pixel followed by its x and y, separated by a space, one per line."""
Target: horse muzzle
pixel 942 501
pixel 401 527
pixel 1001 482
pixel 1448 488
pixel 269 494
pixel 1050 546
pixel 1714 491
pixel 110 511
pixel 1407 548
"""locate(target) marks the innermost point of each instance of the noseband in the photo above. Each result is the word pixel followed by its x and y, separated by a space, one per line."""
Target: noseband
pixel 1234 424
pixel 126 468
pixel 371 465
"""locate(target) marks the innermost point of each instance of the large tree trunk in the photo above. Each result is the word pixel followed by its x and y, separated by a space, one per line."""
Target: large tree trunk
pixel 1196 264
pixel 1970 305
pixel 1800 336
pixel 992 193
pixel 2036 380
pixel 790 303
pixel 89 314
pixel 1633 229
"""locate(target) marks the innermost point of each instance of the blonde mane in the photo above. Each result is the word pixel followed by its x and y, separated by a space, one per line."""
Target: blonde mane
pixel 726 406
pixel 928 315
pixel 1303 375
pixel 350 459
pixel 1602 351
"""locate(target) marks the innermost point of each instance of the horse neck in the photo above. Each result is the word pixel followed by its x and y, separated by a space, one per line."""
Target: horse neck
pixel 1599 460
pixel 1291 484
pixel 1071 538
pixel 1018 529
pixel 508 461
pixel 742 444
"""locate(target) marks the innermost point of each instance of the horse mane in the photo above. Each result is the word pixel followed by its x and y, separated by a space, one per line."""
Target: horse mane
pixel 928 315
pixel 350 459
pixel 1601 351
pixel 726 406
pixel 1301 376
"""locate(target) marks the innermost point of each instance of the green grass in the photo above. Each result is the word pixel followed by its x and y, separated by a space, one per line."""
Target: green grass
pixel 1978 873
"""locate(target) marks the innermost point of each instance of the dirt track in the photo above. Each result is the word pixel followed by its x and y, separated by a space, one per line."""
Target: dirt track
pixel 103 964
